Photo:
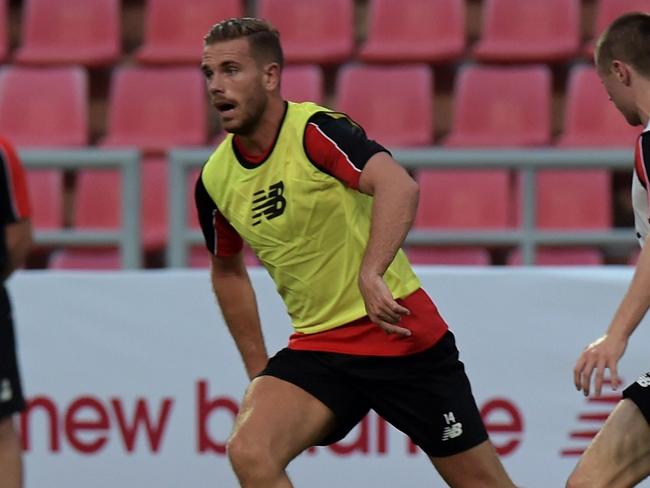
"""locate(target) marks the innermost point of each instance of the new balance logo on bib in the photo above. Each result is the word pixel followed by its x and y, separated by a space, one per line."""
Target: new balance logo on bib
pixel 269 204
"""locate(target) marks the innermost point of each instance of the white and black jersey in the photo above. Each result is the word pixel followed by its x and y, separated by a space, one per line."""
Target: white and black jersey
pixel 641 184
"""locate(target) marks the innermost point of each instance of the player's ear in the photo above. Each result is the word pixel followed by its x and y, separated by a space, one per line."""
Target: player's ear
pixel 271 76
pixel 622 71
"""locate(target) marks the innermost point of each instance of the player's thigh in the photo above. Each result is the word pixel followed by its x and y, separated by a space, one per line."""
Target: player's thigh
pixel 428 397
pixel 279 419
pixel 619 456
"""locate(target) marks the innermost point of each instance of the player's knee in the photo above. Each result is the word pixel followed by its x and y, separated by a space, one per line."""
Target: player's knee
pixel 251 459
pixel 241 450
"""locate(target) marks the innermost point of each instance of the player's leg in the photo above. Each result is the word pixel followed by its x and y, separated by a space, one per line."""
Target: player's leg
pixel 428 397
pixel 277 421
pixel 619 456
pixel 11 402
pixel 296 403
pixel 10 455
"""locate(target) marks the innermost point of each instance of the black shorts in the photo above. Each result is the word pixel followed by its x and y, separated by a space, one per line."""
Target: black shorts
pixel 11 393
pixel 425 395
pixel 639 393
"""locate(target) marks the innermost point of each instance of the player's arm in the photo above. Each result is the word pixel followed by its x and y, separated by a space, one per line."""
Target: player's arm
pixel 605 352
pixel 236 297
pixel 231 283
pixel 340 148
pixel 395 200
pixel 18 242
pixel 14 212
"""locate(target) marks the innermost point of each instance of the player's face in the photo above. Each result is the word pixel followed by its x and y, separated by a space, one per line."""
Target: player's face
pixel 234 81
pixel 622 97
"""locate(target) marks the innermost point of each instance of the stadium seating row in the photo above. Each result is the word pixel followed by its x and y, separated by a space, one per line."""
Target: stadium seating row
pixel 154 109
pixel 88 31
pixel 494 106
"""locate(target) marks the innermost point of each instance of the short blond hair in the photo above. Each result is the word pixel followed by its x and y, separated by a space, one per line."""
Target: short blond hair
pixel 626 39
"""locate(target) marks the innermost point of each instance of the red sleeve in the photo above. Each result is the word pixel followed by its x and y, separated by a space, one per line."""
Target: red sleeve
pixel 14 199
pixel 339 147
pixel 221 238
pixel 229 242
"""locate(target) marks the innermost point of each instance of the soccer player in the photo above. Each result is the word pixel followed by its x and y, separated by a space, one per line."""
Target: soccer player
pixel 619 456
pixel 15 242
pixel 326 210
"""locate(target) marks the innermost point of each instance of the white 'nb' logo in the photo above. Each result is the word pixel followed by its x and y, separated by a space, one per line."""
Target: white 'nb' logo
pixel 6 393
pixel 452 431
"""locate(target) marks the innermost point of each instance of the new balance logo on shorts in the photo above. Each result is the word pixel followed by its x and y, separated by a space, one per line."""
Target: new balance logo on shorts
pixel 644 380
pixel 454 429
pixel 269 204
pixel 6 393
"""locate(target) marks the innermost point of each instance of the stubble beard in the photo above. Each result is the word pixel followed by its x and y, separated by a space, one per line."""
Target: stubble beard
pixel 252 119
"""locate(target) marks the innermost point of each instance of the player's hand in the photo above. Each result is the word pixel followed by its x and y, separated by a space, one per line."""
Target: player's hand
pixel 382 309
pixel 598 356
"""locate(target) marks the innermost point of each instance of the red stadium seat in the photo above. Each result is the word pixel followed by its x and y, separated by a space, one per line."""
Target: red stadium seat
pixel 591 119
pixel 312 31
pixel 457 199
pixel 44 107
pixel 516 31
pixel 502 106
pixel 608 10
pixel 405 118
pixel 4 29
pixel 98 202
pixel 75 31
pixel 86 259
pixel 46 198
pixel 173 28
pixel 303 83
pixel 467 256
pixel 154 204
pixel 561 256
pixel 415 31
pixel 156 108
pixel 572 199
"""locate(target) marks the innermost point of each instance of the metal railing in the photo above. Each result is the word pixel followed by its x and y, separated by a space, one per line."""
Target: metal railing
pixel 128 237
pixel 527 161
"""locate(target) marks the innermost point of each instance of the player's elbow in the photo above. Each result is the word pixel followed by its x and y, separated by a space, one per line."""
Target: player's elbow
pixel 413 188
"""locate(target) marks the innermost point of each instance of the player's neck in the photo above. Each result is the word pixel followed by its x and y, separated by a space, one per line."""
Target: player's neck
pixel 642 99
pixel 263 136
